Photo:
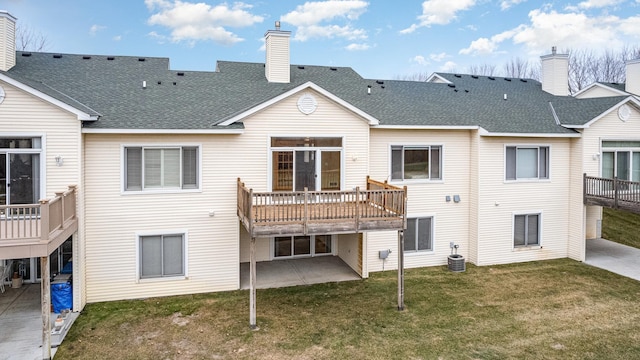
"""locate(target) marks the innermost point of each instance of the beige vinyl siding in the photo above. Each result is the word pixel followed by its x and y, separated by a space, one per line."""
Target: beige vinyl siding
pixel 348 250
pixel 24 114
pixel 277 57
pixel 609 127
pixel 450 219
pixel 214 243
pixel 474 196
pixel 499 200
pixel 114 218
pixel 576 246
pixel 597 92
pixel 284 120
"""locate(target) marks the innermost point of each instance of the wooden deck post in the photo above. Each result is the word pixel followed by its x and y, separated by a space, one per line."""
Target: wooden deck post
pixel 44 219
pixel 45 291
pixel 400 270
pixel 252 284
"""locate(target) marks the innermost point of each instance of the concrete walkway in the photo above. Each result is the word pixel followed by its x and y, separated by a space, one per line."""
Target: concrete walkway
pixel 21 324
pixel 281 273
pixel 617 258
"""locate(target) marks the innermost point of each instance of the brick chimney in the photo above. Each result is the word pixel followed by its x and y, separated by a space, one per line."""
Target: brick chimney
pixel 276 67
pixel 555 73
pixel 7 40
pixel 632 82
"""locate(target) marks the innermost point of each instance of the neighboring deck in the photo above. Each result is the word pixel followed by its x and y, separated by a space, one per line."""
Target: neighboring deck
pixel 380 207
pixel 612 193
pixel 35 230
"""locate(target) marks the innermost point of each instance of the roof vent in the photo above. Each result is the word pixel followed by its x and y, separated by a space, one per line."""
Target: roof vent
pixel 301 67
pixel 491 78
pixel 382 86
pixel 86 57
pixel 465 90
pixel 457 75
pixel 175 83
pixel 379 82
pixel 456 90
pixel 57 56
pixel 141 59
pixel 333 69
pixel 451 85
pixel 507 79
pixel 110 58
pixel 180 74
pixel 523 80
pixel 159 82
pixel 26 54
pixel 474 76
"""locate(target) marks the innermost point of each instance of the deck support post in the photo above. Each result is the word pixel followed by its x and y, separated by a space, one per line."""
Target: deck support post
pixel 400 270
pixel 252 284
pixel 45 291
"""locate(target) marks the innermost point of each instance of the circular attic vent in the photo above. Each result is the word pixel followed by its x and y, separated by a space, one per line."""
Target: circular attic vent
pixel 307 104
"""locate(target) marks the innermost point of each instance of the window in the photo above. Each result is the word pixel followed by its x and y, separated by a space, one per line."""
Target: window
pixel 526 230
pixel 416 162
pixel 152 168
pixel 621 159
pixel 161 256
pixel 527 162
pixel 419 234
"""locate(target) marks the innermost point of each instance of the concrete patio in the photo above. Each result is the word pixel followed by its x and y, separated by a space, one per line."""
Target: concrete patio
pixel 620 259
pixel 21 324
pixel 282 273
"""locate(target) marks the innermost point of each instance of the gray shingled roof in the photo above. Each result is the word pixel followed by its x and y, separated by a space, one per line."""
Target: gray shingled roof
pixel 112 87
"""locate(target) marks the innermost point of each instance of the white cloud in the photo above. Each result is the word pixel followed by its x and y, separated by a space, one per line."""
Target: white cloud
pixel 420 60
pixel 590 4
pixel 357 47
pixel 117 38
pixel 438 57
pixel 547 28
pixel 505 4
pixel 95 28
pixel 199 21
pixel 439 12
pixel 311 18
pixel 449 66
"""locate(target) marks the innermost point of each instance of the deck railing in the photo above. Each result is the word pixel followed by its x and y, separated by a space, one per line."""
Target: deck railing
pixel 36 222
pixel 379 202
pixel 613 193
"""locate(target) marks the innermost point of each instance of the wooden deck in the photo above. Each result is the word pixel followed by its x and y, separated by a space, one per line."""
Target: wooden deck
pixel 612 193
pixel 380 207
pixel 35 230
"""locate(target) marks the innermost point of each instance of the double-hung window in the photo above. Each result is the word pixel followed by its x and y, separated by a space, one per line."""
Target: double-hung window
pixel 527 162
pixel 419 234
pixel 526 230
pixel 416 162
pixel 162 256
pixel 161 168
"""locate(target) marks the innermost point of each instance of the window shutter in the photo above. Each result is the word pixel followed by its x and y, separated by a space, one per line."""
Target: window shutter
pixel 511 163
pixel 435 163
pixel 133 168
pixel 190 168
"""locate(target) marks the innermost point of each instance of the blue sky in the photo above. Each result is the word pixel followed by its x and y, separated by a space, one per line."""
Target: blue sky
pixel 379 39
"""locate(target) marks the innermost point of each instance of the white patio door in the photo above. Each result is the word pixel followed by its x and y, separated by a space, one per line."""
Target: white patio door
pixel 302 246
pixel 19 171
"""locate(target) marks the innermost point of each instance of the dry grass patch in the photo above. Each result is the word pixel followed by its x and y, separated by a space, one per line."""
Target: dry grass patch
pixel 542 310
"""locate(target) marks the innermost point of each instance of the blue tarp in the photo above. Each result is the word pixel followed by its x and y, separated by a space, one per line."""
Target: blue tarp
pixel 61 296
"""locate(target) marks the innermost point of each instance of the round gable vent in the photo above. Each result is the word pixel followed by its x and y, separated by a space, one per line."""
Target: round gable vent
pixel 624 112
pixel 307 104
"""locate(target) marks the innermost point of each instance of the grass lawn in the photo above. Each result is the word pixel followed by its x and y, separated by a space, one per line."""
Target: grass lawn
pixel 621 227
pixel 558 309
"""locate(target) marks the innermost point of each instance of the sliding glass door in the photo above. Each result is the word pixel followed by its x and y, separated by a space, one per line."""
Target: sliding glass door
pixel 302 246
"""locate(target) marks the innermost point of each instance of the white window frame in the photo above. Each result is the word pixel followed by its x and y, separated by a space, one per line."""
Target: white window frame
pixel 42 151
pixel 185 254
pixel 615 150
pixel 433 235
pixel 540 229
pixel 527 146
pixel 272 248
pixel 416 147
pixel 179 189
